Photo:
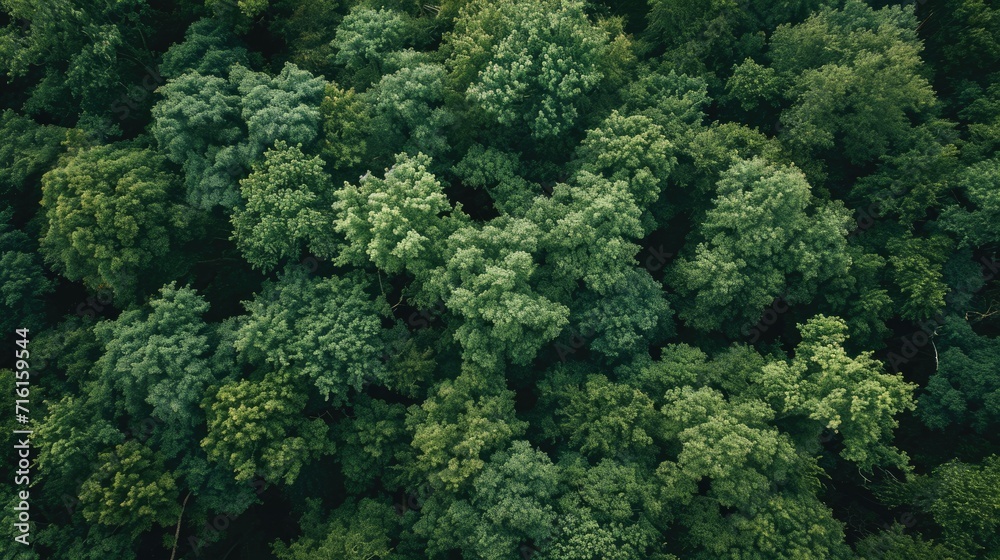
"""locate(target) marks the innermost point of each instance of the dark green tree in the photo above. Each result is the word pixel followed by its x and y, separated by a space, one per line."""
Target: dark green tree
pixel 113 217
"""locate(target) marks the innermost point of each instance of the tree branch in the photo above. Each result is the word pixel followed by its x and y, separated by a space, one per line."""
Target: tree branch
pixel 177 532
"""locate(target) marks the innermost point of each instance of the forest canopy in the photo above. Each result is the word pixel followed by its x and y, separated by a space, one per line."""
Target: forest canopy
pixel 500 279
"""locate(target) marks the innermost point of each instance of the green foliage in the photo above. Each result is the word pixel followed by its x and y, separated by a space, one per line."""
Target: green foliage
pixel 856 83
pixel 197 125
pixel 409 110
pixel 365 39
pixel 459 426
pixel 112 216
pixel 157 359
pixel 623 324
pixel 963 390
pixel 286 207
pixel 918 266
pixel 324 331
pixel 396 222
pixel 753 471
pixel 491 282
pixel 529 65
pixel 308 27
pixel 76 59
pixel 130 489
pixel 354 531
pixel 602 419
pixel 407 272
pixel 978 225
pixel 851 396
pixel 893 544
pixel 370 442
pixel 632 149
pixel 509 504
pixel 964 501
pixel 608 513
pixel 346 127
pixel 23 284
pixel 215 127
pixel 589 226
pixel 961 28
pixel 249 8
pixel 208 49
pixel 501 174
pixel 764 238
pixel 35 152
pixel 258 428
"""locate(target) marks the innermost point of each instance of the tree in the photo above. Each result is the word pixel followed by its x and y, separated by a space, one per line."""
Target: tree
pixel 622 324
pixel 23 284
pixel 893 544
pixel 855 83
pixel 309 29
pixel 981 120
pixel 491 282
pixel 286 207
pixel 509 504
pixel 963 390
pixel 588 227
pixel 311 331
pixel 977 225
pixel 372 444
pixel 501 174
pixel 461 424
pixel 131 490
pixel 397 222
pixel 632 149
pixel 609 512
pixel 209 48
pixel 528 65
pixel 112 215
pixel 346 127
pixel 80 61
pixel 602 419
pixel 197 124
pixel 249 8
pixel 962 500
pixel 364 40
pixel 215 127
pixel 851 396
pixel 35 153
pixel 701 36
pixel 761 490
pixel 258 428
pixel 158 360
pixel 918 264
pixel 960 28
pixel 281 107
pixel 70 438
pixel 409 111
pixel 764 238
pixel 354 531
